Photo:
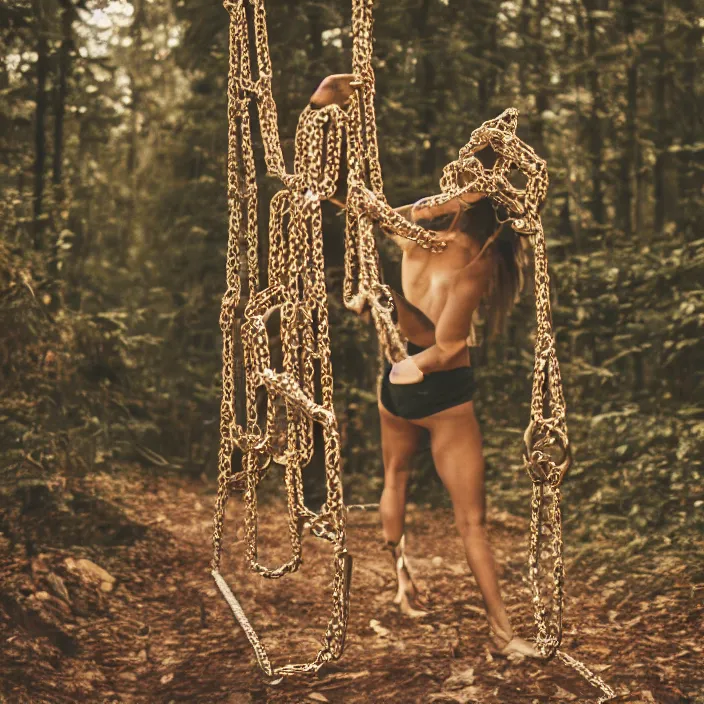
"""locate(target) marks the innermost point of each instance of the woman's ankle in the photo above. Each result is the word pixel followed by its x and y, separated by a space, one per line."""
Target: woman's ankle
pixel 501 627
pixel 397 545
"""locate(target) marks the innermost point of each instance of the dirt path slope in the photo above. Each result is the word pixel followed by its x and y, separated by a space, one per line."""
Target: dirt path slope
pixel 112 601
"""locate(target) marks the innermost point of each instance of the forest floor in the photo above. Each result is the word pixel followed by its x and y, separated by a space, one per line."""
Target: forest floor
pixel 149 625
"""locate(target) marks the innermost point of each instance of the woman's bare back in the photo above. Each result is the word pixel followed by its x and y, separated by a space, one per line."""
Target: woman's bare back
pixel 429 278
pixel 446 288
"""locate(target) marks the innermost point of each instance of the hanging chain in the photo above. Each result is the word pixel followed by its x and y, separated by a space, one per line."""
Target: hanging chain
pixel 296 286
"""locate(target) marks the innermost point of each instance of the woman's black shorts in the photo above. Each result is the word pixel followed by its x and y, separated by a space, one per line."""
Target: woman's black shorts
pixel 437 392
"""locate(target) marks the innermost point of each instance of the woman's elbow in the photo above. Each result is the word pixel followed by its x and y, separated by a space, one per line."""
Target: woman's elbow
pixel 450 349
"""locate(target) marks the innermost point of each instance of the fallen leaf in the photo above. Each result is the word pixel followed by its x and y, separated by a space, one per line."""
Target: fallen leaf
pixel 378 628
pixel 459 680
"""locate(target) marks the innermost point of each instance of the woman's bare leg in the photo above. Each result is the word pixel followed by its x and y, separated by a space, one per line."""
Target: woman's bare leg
pixel 456 444
pixel 399 442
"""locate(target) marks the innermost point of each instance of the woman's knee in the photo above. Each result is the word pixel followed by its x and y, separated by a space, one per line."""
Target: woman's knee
pixel 471 523
pixel 396 477
pixel 397 462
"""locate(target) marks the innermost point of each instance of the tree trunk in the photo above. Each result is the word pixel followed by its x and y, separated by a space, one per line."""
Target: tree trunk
pixel 630 160
pixel 690 162
pixel 62 88
pixel 594 130
pixel 524 31
pixel 5 121
pixel 60 93
pixel 574 181
pixel 662 127
pixel 485 31
pixel 542 97
pixel 426 77
pixel 315 21
pixel 132 154
pixel 492 80
pixel 40 121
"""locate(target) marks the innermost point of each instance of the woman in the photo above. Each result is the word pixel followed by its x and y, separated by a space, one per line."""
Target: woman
pixel 432 389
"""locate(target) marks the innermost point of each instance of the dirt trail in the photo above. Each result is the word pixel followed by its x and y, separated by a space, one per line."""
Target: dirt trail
pixel 162 633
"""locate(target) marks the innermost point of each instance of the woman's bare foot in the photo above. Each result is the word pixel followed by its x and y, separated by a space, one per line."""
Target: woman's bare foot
pixel 407 597
pixel 409 603
pixel 509 644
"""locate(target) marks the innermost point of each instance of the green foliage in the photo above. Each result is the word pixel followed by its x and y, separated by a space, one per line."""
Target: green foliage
pixel 110 289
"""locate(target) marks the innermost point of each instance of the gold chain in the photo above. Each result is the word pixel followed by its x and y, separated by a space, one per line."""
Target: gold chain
pixel 296 286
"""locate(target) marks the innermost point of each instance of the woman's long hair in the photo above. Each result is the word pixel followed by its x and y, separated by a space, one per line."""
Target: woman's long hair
pixel 509 253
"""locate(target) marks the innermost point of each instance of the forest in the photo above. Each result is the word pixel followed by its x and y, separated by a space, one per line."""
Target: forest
pixel 113 243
